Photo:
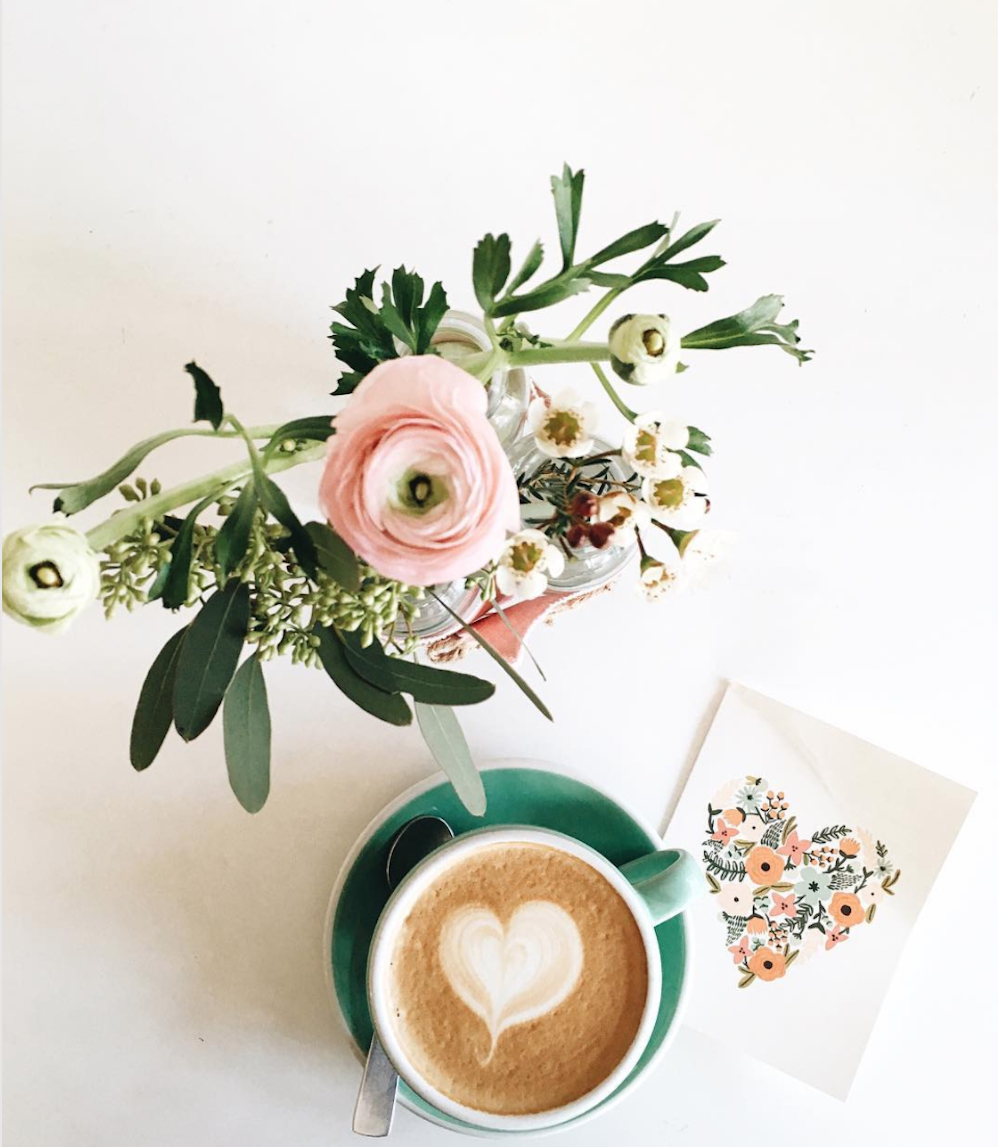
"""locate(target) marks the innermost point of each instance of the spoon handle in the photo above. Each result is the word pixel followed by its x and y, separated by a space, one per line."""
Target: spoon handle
pixel 377 1098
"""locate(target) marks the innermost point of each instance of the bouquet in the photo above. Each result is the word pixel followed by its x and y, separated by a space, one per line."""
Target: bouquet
pixel 452 489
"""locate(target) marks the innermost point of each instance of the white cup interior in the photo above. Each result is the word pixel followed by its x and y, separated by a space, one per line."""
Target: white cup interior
pixel 396 911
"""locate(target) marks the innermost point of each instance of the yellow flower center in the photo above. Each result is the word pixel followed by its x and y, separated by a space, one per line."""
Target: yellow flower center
pixel 525 556
pixel 645 446
pixel 563 427
pixel 652 340
pixel 669 493
pixel 46 575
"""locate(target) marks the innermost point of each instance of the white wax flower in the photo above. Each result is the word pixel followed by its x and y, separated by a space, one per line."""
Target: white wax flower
pixel 644 348
pixel 649 444
pixel 527 562
pixel 564 427
pixel 625 513
pixel 674 501
pixel 50 574
pixel 707 556
pixel 657 578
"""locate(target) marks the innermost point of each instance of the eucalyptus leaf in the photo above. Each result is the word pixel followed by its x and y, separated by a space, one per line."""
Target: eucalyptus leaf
pixel 207 397
pixel 334 556
pixel 389 707
pixel 76 496
pixel 567 191
pixel 444 737
pixel 246 728
pixel 234 535
pixel 508 669
pixel 208 658
pixel 273 499
pixel 155 710
pixel 424 683
pixel 317 428
pixel 177 581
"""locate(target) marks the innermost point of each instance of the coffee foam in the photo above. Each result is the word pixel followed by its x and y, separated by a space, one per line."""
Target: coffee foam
pixel 518 980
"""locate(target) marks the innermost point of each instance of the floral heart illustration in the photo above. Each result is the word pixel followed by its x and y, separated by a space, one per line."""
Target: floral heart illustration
pixel 782 894
pixel 508 975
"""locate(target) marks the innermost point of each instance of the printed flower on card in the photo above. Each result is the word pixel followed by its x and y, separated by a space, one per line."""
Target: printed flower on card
pixel 764 866
pixel 845 908
pixel 836 936
pixel 735 898
pixel 756 926
pixel 741 951
pixel 724 831
pixel 813 886
pixel 795 849
pixel 849 847
pixel 733 816
pixel 782 904
pixel 766 964
pixel 750 797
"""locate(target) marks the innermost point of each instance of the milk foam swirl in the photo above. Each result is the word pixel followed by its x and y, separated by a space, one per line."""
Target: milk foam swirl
pixel 509 975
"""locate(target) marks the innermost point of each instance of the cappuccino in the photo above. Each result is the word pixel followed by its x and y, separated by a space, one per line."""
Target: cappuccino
pixel 518 980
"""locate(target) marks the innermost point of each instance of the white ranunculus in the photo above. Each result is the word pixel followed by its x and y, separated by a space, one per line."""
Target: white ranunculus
pixel 50 574
pixel 674 501
pixel 649 445
pixel 625 513
pixel 527 562
pixel 563 427
pixel 644 348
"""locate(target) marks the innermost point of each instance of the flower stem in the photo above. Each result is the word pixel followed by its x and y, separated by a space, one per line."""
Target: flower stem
pixel 595 312
pixel 125 521
pixel 613 394
pixel 561 352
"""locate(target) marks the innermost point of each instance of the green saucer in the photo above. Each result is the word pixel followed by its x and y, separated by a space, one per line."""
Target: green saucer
pixel 516 794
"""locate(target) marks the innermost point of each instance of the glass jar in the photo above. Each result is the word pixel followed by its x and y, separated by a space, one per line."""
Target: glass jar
pixel 509 389
pixel 432 619
pixel 586 566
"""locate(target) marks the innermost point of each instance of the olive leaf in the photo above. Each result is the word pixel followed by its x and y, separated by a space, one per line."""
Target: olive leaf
pixel 155 711
pixel 207 397
pixel 389 707
pixel 444 737
pixel 424 683
pixel 246 728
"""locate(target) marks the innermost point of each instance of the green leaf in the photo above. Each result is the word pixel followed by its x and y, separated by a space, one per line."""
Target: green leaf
pixel 424 683
pixel 155 591
pixel 689 275
pixel 747 980
pixel 317 428
pixel 155 711
pixel 698 441
pixel 208 658
pixel 633 241
pixel 532 262
pixel 334 555
pixel 567 191
pixel 76 496
pixel 389 707
pixel 546 295
pixel 246 728
pixel 688 239
pixel 234 535
pixel 446 741
pixel 177 580
pixel 207 397
pixel 429 317
pixel 508 669
pixel 609 279
pixel 756 326
pixel 490 268
pixel 273 500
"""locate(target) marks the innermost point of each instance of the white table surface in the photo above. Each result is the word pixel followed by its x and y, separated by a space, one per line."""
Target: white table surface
pixel 203 179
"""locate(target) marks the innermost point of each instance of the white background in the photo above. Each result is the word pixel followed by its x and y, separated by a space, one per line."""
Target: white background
pixel 202 179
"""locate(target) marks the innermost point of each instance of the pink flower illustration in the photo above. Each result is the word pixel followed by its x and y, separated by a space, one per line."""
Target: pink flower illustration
pixel 836 936
pixel 783 905
pixel 724 831
pixel 741 951
pixel 794 848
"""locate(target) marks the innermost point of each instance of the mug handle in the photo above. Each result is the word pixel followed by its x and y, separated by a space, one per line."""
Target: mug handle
pixel 666 881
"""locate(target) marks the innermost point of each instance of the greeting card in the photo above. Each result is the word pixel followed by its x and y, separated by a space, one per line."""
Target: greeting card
pixel 819 851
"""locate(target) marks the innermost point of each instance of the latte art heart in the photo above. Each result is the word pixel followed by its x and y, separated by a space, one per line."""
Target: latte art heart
pixel 509 975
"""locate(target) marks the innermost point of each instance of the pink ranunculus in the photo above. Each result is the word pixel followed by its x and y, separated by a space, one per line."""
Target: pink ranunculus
pixel 415 479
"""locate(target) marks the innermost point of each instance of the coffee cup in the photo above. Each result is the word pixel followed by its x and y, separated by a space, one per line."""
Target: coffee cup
pixel 514 975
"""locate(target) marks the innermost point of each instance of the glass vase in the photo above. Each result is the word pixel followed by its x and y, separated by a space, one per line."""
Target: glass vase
pixel 587 567
pixel 508 390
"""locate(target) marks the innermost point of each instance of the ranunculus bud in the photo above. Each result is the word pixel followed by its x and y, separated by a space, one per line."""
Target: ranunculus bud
pixel 50 574
pixel 644 348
